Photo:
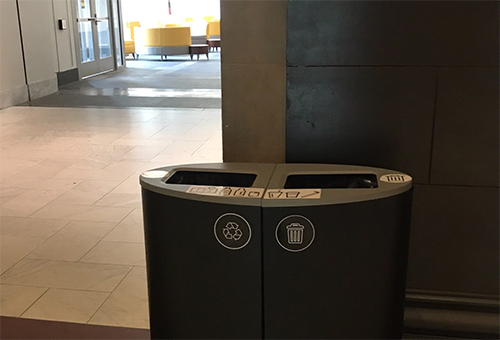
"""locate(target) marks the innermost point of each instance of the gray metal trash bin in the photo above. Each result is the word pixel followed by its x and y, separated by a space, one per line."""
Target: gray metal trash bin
pixel 298 251
pixel 335 245
pixel 203 249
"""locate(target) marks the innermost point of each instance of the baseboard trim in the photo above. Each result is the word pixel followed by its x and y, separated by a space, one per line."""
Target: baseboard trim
pixel 67 77
pixel 452 315
pixel 42 88
pixel 15 96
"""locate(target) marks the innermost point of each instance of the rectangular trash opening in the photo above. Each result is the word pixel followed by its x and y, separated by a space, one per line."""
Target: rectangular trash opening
pixel 331 181
pixel 212 178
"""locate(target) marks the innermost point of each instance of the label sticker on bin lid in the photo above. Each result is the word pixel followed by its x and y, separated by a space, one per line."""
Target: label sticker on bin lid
pixel 395 178
pixel 225 191
pixel 292 194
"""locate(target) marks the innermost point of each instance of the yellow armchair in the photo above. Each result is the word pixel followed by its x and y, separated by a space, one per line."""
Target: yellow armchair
pixel 130 36
pixel 213 30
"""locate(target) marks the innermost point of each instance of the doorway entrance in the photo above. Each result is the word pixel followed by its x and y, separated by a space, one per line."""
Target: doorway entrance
pixel 96 52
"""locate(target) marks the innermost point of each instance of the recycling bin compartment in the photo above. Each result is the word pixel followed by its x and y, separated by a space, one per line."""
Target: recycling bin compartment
pixel 335 249
pixel 203 249
pixel 208 178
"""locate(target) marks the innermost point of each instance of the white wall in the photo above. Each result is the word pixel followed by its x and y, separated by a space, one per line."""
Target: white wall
pixel 13 88
pixel 47 50
pixel 65 39
pixel 37 27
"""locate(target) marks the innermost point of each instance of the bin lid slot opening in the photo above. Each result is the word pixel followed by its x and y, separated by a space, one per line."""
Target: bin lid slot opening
pixel 224 179
pixel 332 181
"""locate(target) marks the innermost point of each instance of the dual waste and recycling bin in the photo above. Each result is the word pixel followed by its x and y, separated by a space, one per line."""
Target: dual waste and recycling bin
pixel 276 251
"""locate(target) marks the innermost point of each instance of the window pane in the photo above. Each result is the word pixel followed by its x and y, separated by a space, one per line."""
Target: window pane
pixel 104 44
pixel 86 41
pixel 101 8
pixel 83 8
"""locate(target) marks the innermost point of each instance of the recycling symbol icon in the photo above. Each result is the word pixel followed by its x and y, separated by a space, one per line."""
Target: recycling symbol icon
pixel 232 231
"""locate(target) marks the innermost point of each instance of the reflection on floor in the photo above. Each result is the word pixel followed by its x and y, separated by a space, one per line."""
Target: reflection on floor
pixel 146 92
pixel 72 246
pixel 176 82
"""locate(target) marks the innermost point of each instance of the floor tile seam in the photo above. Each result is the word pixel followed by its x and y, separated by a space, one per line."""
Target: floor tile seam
pixel 102 238
pixel 60 287
pixel 152 136
pixel 109 263
pixel 58 172
pixel 157 153
pixel 48 238
pixel 102 303
pixel 36 300
pixel 111 293
pixel 126 242
pixel 101 194
pixel 201 146
pixel 35 179
pixel 45 205
pixel 55 235
pixel 3 270
pixel 66 262
pixel 129 205
pixel 16 262
pixel 7 199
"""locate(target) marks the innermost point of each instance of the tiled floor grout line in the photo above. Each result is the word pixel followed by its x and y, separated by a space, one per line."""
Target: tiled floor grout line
pixel 25 256
pixel 50 237
pixel 102 238
pixel 31 305
pixel 111 293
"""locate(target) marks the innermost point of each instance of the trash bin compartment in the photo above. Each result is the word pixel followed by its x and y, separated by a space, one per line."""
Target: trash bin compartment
pixel 349 283
pixel 331 181
pixel 212 178
pixel 334 263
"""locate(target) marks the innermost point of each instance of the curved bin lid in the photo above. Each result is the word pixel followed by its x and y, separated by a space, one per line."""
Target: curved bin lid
pixel 223 183
pixel 323 184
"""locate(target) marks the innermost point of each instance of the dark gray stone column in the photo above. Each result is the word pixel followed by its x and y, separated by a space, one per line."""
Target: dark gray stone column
pixel 412 86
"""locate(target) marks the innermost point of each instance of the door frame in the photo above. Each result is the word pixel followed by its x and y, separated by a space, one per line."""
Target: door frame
pixel 112 38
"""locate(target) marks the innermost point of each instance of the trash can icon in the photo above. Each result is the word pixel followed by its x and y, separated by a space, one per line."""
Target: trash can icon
pixel 295 233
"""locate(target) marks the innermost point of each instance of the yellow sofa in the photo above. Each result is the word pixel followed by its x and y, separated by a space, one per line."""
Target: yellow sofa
pixel 162 41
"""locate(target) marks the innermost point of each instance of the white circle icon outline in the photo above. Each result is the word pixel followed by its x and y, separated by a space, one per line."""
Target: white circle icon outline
pixel 295 250
pixel 244 220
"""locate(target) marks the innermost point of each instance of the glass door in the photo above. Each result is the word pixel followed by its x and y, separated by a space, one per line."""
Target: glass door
pixel 96 52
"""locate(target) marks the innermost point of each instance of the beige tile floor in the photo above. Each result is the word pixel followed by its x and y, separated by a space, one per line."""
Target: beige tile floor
pixel 72 245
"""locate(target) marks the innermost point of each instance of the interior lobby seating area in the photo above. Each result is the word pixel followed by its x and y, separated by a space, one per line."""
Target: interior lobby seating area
pixel 175 35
